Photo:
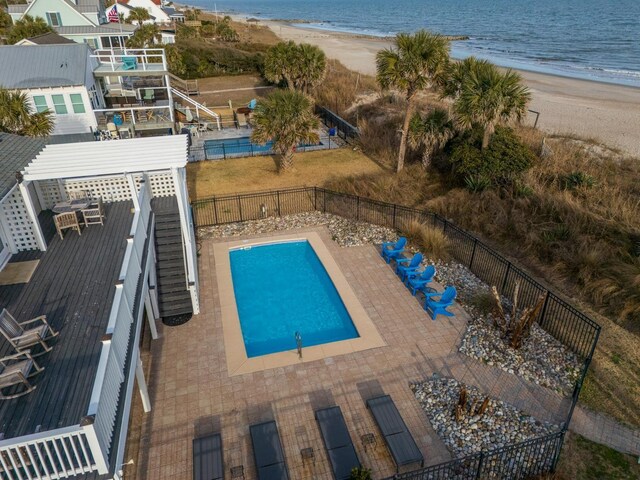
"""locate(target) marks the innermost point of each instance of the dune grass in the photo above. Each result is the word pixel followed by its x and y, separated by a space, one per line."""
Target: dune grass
pixel 259 173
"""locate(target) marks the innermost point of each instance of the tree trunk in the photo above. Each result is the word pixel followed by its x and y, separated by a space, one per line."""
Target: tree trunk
pixel 488 133
pixel 427 154
pixel 405 130
pixel 286 160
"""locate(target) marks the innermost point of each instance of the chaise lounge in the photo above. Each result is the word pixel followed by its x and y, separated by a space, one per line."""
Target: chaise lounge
pixel 267 452
pixel 337 441
pixel 396 435
pixel 207 458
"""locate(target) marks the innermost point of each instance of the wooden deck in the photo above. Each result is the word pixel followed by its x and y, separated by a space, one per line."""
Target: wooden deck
pixel 74 286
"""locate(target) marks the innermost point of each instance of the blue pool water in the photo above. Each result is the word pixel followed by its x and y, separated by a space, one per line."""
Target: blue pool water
pixel 241 146
pixel 281 289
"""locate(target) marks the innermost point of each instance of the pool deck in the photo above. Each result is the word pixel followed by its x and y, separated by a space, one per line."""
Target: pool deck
pixel 193 394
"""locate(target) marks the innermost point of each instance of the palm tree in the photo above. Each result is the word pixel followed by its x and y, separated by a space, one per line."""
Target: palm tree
pixel 145 36
pixel 17 117
pixel 311 67
pixel 285 118
pixel 431 132
pixel 456 74
pixel 280 64
pixel 415 63
pixel 27 27
pixel 138 15
pixel 488 96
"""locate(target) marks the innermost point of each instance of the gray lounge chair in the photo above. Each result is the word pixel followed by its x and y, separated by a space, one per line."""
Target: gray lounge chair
pixel 337 441
pixel 21 339
pixel 207 458
pixel 15 371
pixel 396 435
pixel 267 452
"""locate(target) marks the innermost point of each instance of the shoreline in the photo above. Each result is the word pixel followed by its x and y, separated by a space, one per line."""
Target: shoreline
pixel 606 112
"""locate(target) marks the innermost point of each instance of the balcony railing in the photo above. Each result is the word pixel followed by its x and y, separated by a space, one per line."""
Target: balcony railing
pixel 131 60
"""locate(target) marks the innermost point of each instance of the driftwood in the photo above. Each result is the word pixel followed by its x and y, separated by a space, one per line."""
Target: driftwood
pixel 523 327
pixel 462 409
pixel 499 318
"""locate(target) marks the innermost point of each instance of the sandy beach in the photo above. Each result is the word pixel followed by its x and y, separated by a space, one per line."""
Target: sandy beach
pixel 604 112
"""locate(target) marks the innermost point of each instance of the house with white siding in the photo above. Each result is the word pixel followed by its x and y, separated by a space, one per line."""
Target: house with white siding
pixel 154 7
pixel 58 78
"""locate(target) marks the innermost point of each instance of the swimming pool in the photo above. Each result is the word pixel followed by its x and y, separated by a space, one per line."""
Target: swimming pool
pixel 283 288
pixel 236 147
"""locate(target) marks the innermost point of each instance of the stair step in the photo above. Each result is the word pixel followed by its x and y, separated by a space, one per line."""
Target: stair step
pixel 176 272
pixel 168 248
pixel 169 266
pixel 173 297
pixel 179 310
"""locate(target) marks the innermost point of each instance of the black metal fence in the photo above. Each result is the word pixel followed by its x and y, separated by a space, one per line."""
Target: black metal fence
pixel 559 318
pixel 220 150
pixel 344 129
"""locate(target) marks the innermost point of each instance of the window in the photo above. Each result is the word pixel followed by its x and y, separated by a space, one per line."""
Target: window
pixel 41 103
pixel 58 104
pixel 92 42
pixel 77 103
pixel 53 19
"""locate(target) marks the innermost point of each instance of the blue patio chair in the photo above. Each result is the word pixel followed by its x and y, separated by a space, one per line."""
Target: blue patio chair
pixel 393 249
pixel 418 280
pixel 405 266
pixel 440 306
pixel 252 104
pixel 129 63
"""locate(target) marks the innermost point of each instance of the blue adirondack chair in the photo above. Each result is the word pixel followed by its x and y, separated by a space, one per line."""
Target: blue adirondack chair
pixel 417 280
pixel 252 104
pixel 436 307
pixel 404 266
pixel 393 249
pixel 129 63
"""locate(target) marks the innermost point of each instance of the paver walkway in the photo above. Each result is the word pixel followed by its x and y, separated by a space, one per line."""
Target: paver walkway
pixel 193 395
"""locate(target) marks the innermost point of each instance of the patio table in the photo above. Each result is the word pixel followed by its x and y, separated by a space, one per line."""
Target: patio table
pixel 72 206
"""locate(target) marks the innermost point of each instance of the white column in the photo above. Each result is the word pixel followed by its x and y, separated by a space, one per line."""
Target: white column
pixel 169 94
pixel 31 210
pixel 134 191
pixel 151 317
pixel 142 385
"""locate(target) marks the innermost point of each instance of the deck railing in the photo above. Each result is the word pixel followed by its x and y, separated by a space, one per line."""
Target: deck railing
pixel 110 380
pixel 563 321
pixel 146 59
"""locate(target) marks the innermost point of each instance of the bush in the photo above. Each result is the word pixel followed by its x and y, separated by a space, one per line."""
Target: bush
pixel 575 180
pixel 360 473
pixel 202 59
pixel 432 242
pixel 500 163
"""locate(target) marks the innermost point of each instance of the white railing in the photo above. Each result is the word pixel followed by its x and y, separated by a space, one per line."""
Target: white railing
pixel 198 106
pixel 108 387
pixel 146 115
pixel 60 453
pixel 146 59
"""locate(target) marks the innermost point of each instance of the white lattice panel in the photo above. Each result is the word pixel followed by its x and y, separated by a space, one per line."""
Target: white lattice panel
pixel 49 193
pixel 18 222
pixel 162 184
pixel 111 189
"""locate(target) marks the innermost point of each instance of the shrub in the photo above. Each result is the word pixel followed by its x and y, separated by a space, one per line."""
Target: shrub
pixel 477 183
pixel 501 162
pixel 576 180
pixel 360 473
pixel 431 241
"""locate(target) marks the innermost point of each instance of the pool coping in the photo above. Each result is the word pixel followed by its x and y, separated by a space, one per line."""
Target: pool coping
pixel 237 361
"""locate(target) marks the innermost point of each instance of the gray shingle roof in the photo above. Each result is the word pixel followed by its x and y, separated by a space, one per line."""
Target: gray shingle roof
pixel 40 66
pixel 50 38
pixel 15 153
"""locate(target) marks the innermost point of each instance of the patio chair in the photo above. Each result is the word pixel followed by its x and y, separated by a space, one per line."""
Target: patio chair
pixel 405 266
pixel 337 442
pixel 242 120
pixel 94 214
pixel 208 463
pixel 15 371
pixel 440 306
pixel 417 280
pixel 393 250
pixel 396 435
pixel 252 104
pixel 66 220
pixel 22 340
pixel 267 452
pixel 129 63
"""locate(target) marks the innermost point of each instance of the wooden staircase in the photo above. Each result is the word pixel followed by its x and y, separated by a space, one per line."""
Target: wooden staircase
pixel 173 296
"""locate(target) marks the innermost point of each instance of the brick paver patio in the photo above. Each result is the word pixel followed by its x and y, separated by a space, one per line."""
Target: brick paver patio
pixel 192 394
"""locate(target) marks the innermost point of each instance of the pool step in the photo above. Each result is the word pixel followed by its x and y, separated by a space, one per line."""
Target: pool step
pixel 173 296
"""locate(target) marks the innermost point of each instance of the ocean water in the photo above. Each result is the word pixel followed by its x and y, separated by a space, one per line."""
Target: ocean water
pixel 592 39
pixel 281 289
